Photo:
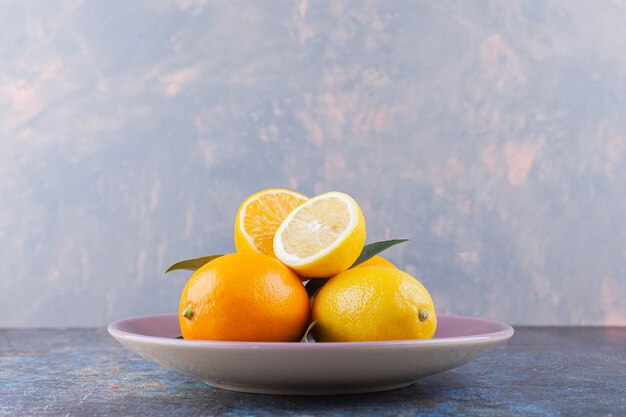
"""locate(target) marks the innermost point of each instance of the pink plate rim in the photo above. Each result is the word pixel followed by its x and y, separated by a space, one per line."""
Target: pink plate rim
pixel 499 331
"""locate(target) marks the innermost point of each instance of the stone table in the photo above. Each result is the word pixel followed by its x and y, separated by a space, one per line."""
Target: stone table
pixel 543 371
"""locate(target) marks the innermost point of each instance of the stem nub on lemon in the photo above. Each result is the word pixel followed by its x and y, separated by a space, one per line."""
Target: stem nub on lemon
pixel 373 303
pixel 260 215
pixel 322 237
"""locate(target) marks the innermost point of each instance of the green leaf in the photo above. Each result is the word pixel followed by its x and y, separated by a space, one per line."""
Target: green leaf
pixel 308 330
pixel 372 249
pixel 191 264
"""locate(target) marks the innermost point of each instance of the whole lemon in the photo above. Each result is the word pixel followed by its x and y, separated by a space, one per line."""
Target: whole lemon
pixel 244 297
pixel 373 303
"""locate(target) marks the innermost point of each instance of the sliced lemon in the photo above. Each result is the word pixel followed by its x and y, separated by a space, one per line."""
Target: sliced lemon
pixel 260 215
pixel 322 237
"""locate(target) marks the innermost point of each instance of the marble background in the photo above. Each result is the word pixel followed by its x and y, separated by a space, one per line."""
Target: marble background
pixel 491 133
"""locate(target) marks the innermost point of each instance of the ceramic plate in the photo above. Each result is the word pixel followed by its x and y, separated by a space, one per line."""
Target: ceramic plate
pixel 311 368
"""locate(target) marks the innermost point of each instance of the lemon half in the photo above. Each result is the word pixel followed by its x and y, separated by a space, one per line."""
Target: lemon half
pixel 322 237
pixel 260 215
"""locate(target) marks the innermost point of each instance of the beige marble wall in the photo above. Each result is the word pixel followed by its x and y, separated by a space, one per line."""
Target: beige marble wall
pixel 491 133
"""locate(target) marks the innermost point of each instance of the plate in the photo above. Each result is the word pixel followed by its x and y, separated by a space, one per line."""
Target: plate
pixel 311 368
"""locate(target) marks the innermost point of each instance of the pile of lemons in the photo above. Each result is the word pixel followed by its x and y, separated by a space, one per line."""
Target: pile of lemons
pixel 284 239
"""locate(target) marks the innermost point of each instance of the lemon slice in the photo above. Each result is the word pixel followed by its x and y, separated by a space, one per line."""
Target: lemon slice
pixel 322 237
pixel 260 215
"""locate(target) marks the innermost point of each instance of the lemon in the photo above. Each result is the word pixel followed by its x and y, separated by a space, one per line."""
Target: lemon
pixel 377 261
pixel 373 303
pixel 260 215
pixel 244 297
pixel 322 237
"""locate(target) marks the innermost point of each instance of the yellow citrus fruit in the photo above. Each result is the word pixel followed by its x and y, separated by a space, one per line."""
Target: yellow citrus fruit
pixel 373 303
pixel 260 215
pixel 321 237
pixel 244 297
pixel 377 261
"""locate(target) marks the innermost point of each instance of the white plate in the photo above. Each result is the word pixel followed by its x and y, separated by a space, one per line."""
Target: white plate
pixel 311 368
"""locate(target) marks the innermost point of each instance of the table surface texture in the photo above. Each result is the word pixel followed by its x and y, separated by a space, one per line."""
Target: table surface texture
pixel 541 371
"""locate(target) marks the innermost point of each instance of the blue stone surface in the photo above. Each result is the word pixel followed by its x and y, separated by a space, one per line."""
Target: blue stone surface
pixel 550 371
